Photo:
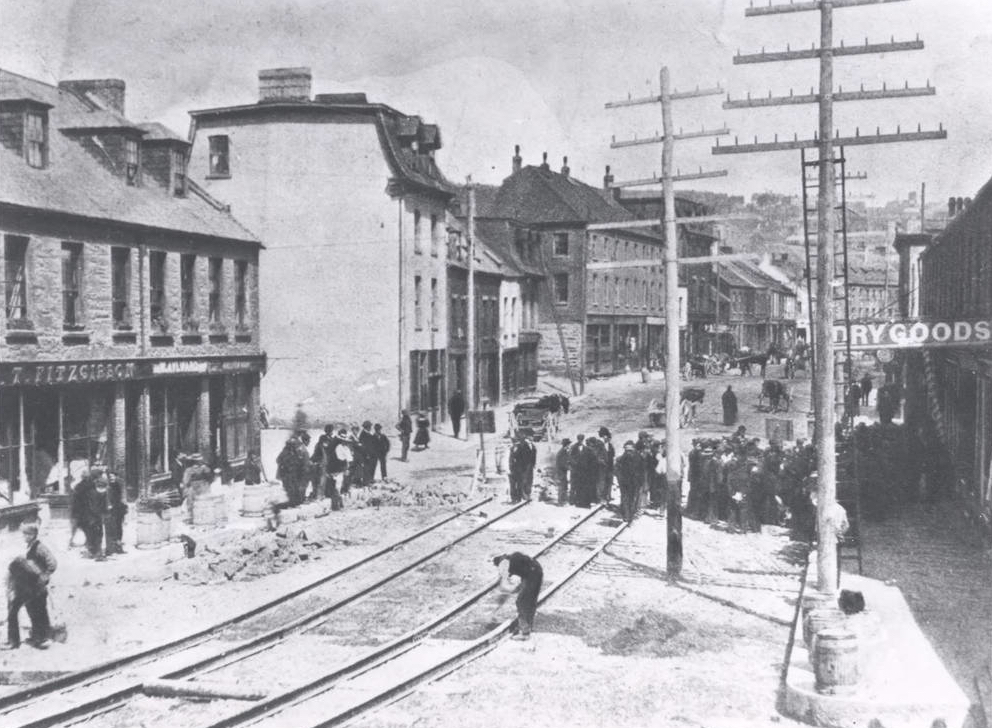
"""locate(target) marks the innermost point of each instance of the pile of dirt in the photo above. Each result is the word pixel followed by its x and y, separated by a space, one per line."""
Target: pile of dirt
pixel 390 493
pixel 648 635
pixel 254 555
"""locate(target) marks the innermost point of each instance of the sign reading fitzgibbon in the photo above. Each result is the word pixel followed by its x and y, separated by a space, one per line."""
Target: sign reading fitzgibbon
pixel 915 334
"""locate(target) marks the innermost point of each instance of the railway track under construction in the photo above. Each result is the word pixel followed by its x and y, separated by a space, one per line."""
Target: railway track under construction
pixel 82 695
pixel 346 681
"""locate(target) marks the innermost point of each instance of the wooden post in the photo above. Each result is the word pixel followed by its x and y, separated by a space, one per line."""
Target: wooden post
pixel 470 324
pixel 673 461
pixel 823 386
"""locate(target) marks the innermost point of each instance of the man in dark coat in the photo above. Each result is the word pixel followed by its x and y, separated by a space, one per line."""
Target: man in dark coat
pixel 531 575
pixel 608 455
pixel 561 471
pixel 96 513
pixel 318 458
pixel 118 509
pixel 27 587
pixel 405 428
pixel 293 469
pixel 380 449
pixel 630 475
pixel 584 472
pixel 866 385
pixel 729 407
pixel 334 465
pixel 366 441
pixel 523 457
pixel 456 408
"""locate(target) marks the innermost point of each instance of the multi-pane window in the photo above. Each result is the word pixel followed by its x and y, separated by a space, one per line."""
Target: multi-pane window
pixel 120 263
pixel 216 272
pixel 15 254
pixel 156 290
pixel 131 160
pixel 561 244
pixel 241 292
pixel 35 140
pixel 418 307
pixel 435 233
pixel 220 147
pixel 595 290
pixel 187 289
pixel 178 172
pixel 434 326
pixel 417 243
pixel 72 277
pixel 236 413
pixel 561 287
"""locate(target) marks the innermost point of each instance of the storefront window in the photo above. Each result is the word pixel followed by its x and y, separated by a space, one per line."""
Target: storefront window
pixel 173 421
pixel 161 429
pixel 237 406
pixel 87 417
pixel 10 463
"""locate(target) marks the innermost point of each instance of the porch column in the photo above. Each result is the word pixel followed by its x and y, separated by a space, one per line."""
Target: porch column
pixel 119 435
pixel 63 465
pixel 22 469
pixel 203 420
pixel 144 424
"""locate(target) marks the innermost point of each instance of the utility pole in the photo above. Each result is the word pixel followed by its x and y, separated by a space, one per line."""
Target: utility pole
pixel 824 142
pixel 470 314
pixel 673 460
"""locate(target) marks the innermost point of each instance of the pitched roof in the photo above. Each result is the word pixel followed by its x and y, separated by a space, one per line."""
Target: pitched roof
pixel 537 195
pixel 159 132
pixel 75 183
pixel 397 132
pixel 743 274
pixel 498 235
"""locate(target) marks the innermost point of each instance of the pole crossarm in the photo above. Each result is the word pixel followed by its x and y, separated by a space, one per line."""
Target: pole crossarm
pixel 793 7
pixel 839 95
pixel 841 50
pixel 675 178
pixel 878 138
pixel 676 96
pixel 660 138
pixel 631 224
pixel 651 262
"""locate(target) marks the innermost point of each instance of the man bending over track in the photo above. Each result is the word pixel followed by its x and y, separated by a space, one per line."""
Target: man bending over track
pixel 530 577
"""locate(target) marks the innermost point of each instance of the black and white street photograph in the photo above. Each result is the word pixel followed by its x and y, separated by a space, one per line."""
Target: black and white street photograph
pixel 488 364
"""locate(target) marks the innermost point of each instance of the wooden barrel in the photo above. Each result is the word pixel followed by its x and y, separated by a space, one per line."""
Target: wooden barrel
pixel 814 600
pixel 220 509
pixel 819 619
pixel 204 510
pixel 254 500
pixel 835 661
pixel 176 516
pixel 152 529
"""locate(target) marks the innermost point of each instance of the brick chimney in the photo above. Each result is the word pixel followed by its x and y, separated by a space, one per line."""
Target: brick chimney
pixel 607 179
pixel 518 161
pixel 564 167
pixel 284 84
pixel 544 162
pixel 106 92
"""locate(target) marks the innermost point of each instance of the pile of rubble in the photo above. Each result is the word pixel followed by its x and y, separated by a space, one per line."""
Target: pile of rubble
pixel 391 493
pixel 254 555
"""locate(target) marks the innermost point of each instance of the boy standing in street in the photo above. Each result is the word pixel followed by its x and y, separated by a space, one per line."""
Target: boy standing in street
pixel 27 587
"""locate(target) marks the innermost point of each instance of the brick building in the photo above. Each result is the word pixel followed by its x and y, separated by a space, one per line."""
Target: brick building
pixel 608 319
pixel 129 330
pixel 758 310
pixel 351 205
pixel 956 285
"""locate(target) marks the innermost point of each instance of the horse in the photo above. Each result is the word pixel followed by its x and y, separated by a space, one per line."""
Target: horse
pixel 744 363
pixel 776 392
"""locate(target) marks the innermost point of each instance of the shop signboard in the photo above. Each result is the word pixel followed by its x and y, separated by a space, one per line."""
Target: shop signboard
pixel 915 334
pixel 44 374
pixel 482 421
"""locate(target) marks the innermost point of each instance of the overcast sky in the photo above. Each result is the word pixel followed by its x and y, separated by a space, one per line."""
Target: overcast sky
pixel 538 72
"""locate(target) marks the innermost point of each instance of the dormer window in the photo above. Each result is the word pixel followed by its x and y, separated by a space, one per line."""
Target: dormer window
pixel 131 161
pixel 36 139
pixel 220 165
pixel 178 173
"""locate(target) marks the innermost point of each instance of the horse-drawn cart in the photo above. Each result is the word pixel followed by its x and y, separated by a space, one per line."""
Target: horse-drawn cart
pixel 689 398
pixel 540 415
pixel 777 394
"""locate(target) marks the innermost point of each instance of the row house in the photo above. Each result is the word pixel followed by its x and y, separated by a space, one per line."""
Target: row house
pixel 608 318
pixel 352 206
pixel 702 334
pixel 759 310
pixel 872 293
pixel 130 324
pixel 956 285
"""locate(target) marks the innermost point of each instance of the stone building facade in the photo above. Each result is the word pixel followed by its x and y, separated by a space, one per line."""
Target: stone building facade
pixel 129 331
pixel 351 205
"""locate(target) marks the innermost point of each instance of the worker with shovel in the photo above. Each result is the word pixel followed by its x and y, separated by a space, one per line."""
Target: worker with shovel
pixel 527 585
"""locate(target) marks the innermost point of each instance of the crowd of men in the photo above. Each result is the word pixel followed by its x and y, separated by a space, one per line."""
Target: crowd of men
pixel 738 481
pixel 342 458
pixel 585 471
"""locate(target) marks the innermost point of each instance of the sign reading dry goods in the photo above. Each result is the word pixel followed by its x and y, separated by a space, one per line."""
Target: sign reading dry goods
pixel 915 334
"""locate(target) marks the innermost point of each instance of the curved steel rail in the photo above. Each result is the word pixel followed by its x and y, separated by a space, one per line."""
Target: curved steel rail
pixel 380 654
pixel 17 700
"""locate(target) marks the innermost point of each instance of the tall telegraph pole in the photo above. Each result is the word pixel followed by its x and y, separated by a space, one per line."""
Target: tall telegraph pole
pixel 824 142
